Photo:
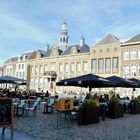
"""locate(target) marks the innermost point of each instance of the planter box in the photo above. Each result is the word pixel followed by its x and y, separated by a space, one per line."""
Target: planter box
pixel 89 115
pixel 115 110
pixel 134 107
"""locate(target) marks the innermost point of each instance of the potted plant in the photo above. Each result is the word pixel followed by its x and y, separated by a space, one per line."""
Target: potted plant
pixel 115 109
pixel 135 106
pixel 89 113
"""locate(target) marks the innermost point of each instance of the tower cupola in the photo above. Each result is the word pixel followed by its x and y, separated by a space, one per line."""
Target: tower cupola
pixel 63 39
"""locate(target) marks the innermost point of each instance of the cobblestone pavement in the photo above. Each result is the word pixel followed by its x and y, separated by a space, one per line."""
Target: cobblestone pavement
pixel 43 127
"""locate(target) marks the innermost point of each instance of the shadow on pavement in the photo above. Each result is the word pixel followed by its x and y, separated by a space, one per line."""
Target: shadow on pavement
pixel 16 136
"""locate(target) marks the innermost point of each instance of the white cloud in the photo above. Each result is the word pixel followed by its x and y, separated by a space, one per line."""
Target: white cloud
pixel 12 28
pixel 126 30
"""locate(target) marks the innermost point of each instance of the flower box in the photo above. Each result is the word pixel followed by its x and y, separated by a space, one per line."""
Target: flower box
pixel 135 107
pixel 115 110
pixel 89 115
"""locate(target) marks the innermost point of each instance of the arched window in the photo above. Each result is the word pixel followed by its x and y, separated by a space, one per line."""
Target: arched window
pixel 63 39
pixel 66 40
pixel 126 55
pixel 126 71
pixel 133 71
pixel 133 55
pixel 139 71
pixel 60 39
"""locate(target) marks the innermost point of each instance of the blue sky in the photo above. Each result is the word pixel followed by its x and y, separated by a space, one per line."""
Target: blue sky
pixel 30 24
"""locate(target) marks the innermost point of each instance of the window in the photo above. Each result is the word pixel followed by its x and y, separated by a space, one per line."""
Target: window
pixel 100 51
pixel 66 67
pixel 45 81
pixel 107 50
pixel 138 70
pixel 36 69
pixel 22 66
pixel 133 71
pixel 72 67
pixel 115 65
pixel 41 69
pixel 7 71
pixel 45 68
pixel 53 66
pixel 126 55
pixel 139 54
pixel 78 68
pixel 54 51
pixel 20 75
pixel 73 50
pixel 32 69
pixel 10 71
pixel 94 65
pixel 23 75
pixel 94 51
pixel 133 55
pixel 36 81
pixel 100 65
pixel 17 74
pixel 38 55
pixel 85 66
pixel 19 66
pixel 60 67
pixel 125 70
pixel 107 65
pixel 115 49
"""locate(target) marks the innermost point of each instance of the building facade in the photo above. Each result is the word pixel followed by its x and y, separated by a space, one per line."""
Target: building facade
pixel 1 71
pixel 42 69
pixel 130 61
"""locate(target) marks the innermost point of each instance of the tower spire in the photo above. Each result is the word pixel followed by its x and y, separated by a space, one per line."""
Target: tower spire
pixel 82 41
pixel 63 39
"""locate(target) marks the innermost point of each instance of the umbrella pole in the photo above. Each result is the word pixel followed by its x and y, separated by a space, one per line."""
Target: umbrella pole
pixel 89 89
pixel 114 90
pixel 133 92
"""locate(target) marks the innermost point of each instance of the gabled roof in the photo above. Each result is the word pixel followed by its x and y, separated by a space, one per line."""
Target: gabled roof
pixel 134 39
pixel 33 55
pixel 109 39
pixel 13 59
pixel 27 54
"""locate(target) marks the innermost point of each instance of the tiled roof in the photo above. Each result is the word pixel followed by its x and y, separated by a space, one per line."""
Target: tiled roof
pixel 84 49
pixel 109 39
pixel 134 39
pixel 27 54
pixel 68 49
pixel 13 59
pixel 81 49
pixel 33 55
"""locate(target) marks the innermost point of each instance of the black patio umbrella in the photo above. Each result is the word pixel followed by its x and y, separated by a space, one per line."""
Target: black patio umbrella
pixel 136 81
pixel 10 78
pixel 88 80
pixel 122 82
pixel 23 83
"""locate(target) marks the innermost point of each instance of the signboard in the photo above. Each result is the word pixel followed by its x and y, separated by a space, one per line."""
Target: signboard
pixel 64 104
pixel 6 114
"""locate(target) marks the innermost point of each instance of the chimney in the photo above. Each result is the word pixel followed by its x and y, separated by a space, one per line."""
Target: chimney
pixel 82 41
pixel 47 48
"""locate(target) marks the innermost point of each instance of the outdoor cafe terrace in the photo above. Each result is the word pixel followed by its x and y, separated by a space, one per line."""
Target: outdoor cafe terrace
pixel 43 124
